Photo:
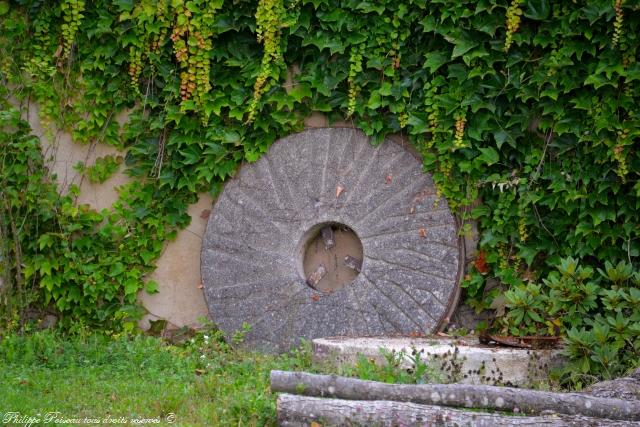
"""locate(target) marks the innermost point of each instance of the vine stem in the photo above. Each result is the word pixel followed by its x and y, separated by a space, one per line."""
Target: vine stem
pixel 17 251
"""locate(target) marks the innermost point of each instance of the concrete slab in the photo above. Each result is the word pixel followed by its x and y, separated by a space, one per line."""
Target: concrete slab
pixel 462 360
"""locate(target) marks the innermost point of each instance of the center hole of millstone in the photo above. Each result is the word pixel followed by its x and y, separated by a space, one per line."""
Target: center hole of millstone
pixel 331 255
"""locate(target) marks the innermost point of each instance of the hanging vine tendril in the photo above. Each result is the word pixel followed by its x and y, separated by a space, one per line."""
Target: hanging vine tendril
pixel 431 108
pixel 192 43
pixel 617 25
pixel 513 22
pixel 619 154
pixel 151 27
pixel 355 68
pixel 461 121
pixel 269 18
pixel 72 14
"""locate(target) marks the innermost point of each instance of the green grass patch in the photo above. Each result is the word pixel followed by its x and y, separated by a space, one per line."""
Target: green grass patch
pixel 203 382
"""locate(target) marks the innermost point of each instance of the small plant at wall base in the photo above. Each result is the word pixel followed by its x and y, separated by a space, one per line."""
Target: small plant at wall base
pixel 529 107
pixel 596 310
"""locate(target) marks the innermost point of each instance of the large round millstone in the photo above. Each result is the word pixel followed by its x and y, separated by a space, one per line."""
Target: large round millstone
pixel 327 235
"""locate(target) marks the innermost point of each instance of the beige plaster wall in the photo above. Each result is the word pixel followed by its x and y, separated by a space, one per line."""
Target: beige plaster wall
pixel 180 299
pixel 61 155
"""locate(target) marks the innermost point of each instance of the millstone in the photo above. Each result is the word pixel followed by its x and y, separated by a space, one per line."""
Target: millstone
pixel 327 235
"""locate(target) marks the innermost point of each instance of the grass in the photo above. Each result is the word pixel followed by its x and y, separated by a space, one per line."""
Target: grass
pixel 202 383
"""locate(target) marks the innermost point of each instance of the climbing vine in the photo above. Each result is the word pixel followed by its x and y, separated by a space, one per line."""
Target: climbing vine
pixel 524 111
pixel 269 18
pixel 355 67
pixel 72 14
pixel 192 44
pixel 617 25
pixel 513 22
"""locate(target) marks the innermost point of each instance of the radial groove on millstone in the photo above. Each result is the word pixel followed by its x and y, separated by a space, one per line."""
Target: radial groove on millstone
pixel 255 241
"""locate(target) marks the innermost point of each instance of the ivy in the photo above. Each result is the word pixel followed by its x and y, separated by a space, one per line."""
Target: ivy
pixel 83 264
pixel 101 170
pixel 72 14
pixel 269 18
pixel 525 113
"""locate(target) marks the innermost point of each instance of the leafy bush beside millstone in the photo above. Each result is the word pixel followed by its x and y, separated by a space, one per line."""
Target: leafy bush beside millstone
pixel 598 311
pixel 525 112
pixel 66 258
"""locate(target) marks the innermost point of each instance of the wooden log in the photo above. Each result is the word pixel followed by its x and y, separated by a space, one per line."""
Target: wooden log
pixel 456 395
pixel 627 388
pixel 298 411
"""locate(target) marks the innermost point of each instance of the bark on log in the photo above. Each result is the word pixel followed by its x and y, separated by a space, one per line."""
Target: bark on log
pixel 627 388
pixel 456 395
pixel 298 411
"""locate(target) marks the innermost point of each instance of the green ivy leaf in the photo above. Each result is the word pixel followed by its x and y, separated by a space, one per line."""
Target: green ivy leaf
pixel 538 10
pixel 434 60
pixel 152 287
pixel 462 46
pixel 488 156
pixel 130 286
pixel 500 136
pixel 323 40
pixel 116 269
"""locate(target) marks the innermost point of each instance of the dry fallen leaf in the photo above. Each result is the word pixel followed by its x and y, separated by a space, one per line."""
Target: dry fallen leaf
pixel 412 210
pixel 205 213
pixel 314 424
pixel 201 285
pixel 315 297
pixel 422 232
pixel 339 190
pixel 388 179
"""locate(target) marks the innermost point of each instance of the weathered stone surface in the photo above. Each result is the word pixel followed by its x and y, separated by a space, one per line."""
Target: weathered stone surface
pixel 461 360
pixel 253 247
